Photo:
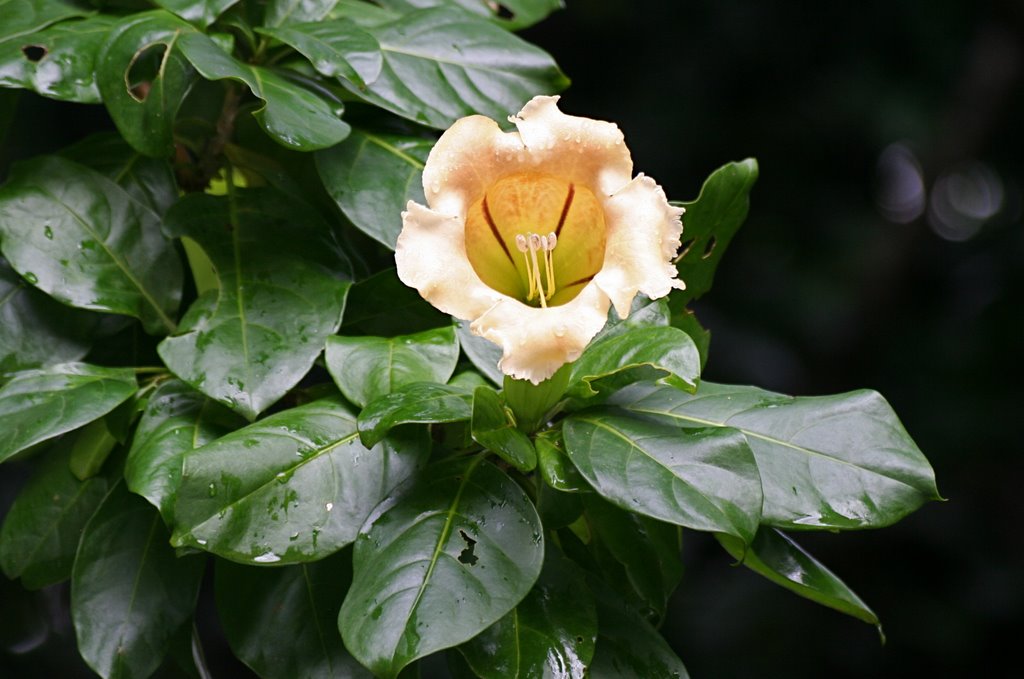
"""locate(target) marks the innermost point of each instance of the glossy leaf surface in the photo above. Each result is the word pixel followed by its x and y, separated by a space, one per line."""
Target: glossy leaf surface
pixel 440 565
pixel 422 403
pixel 385 306
pixel 250 340
pixel 514 14
pixel 84 240
pixel 200 12
pixel 841 461
pixel 365 368
pixel 705 480
pixel 482 353
pixel 130 594
pixel 627 645
pixel 337 49
pixel 25 17
pixel 372 176
pixel 494 429
pixel 36 405
pixel 283 12
pixel 293 487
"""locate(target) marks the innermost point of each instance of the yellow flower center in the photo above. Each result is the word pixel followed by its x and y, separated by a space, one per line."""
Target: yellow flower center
pixel 536 237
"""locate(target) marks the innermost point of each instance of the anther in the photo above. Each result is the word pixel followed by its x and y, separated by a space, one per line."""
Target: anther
pixel 521 243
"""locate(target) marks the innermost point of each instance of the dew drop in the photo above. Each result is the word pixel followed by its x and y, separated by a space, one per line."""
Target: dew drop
pixel 268 557
pixel 435 187
pixel 329 506
pixel 31 277
pixel 213 490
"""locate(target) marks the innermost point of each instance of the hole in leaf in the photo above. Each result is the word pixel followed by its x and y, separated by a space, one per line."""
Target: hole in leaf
pixel 466 556
pixel 34 53
pixel 143 70
pixel 684 249
pixel 709 247
pixel 501 11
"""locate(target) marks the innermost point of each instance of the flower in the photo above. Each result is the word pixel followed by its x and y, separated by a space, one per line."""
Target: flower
pixel 531 235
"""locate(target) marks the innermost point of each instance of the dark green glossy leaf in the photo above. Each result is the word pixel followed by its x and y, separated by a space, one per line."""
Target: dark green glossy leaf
pixel 177 419
pixel 251 339
pixel 556 469
pixel 705 479
pixel 440 565
pixel 494 428
pixel 422 403
pixel 365 368
pixel 643 313
pixel 25 17
pixel 687 321
pixel 130 594
pixel 282 12
pixel 665 354
pixel 199 12
pixel 36 405
pixel 443 64
pixel 385 306
pixel 647 550
pixel 372 176
pixel 293 487
pixel 710 223
pixel 482 353
pixel 85 241
pixel 535 405
pixel 337 49
pixel 627 645
pixel 841 461
pixel 293 116
pixel 513 14
pixel 283 622
pixel 551 633
pixel 35 330
pixel 774 555
pixel 57 62
pixel 41 531
pixel 143 79
pixel 92 444
pixel 362 13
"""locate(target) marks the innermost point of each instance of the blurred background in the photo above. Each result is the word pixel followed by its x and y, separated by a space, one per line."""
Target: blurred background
pixel 884 249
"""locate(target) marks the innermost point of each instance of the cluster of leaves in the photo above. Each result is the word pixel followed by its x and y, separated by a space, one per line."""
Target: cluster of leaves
pixel 209 362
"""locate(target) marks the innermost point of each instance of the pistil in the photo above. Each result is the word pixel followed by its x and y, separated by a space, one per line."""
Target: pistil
pixel 529 244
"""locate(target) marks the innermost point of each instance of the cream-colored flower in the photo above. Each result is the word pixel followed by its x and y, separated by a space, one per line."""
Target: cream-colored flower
pixel 533 234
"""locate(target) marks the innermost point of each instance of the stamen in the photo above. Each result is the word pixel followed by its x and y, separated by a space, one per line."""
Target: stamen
pixel 550 241
pixel 522 247
pixel 535 244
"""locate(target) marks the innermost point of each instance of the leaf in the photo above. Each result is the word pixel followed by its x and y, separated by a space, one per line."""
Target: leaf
pixel 705 479
pixel 442 64
pixel 280 295
pixel 710 223
pixel 282 622
pixel 482 353
pixel 494 429
pixel 372 176
pixel 365 368
pixel 665 354
pixel 421 402
pixel 25 17
pixel 177 420
pixel 551 633
pixel 293 487
pixel 841 461
pixel 336 49
pixel 199 12
pixel 58 61
pixel 280 12
pixel 36 405
pixel 93 444
pixel 129 593
pixel 37 331
pixel 41 531
pixel 513 14
pixel 83 240
pixel 774 555
pixel 687 321
pixel 440 565
pixel 555 468
pixel 143 79
pixel 385 306
pixel 292 115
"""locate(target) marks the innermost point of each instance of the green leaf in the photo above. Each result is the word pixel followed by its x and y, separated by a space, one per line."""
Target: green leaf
pixel 362 13
pixel 440 565
pixel 372 176
pixel 129 593
pixel 36 405
pixel 337 49
pixel 687 321
pixel 292 115
pixel 494 428
pixel 177 420
pixel 280 12
pixel 442 64
pixel 627 645
pixel 841 461
pixel 422 403
pixel 250 340
pixel 555 468
pixel 57 62
pixel 482 353
pixel 710 223
pixel 143 79
pixel 41 531
pixel 83 240
pixel 22 18
pixel 37 331
pixel 293 487
pixel 365 368
pixel 199 12
pixel 665 354
pixel 551 633
pixel 92 445
pixel 282 622
pixel 774 555
pixel 705 480
pixel 513 14
pixel 383 305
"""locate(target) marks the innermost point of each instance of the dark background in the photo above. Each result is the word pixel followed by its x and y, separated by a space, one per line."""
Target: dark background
pixel 884 249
